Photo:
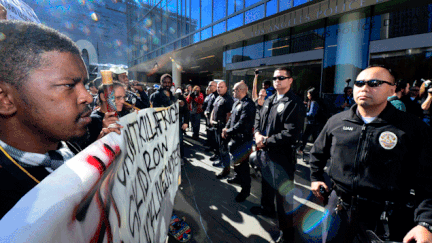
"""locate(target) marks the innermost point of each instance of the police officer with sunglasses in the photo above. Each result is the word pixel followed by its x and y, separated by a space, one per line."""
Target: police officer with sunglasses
pixel 380 167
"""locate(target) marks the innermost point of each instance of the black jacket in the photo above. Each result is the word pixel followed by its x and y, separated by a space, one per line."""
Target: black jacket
pixel 160 99
pixel 282 122
pixel 16 183
pixel 241 121
pixel 381 160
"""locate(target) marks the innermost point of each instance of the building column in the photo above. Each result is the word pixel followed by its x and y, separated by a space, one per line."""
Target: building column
pixel 176 74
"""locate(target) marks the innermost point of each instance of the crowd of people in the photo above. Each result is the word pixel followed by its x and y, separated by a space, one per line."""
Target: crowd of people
pixel 378 146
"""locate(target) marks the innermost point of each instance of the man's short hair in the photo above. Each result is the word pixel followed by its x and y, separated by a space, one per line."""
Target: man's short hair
pixel 91 84
pixel 164 76
pixel 401 85
pixel 393 75
pixel 286 69
pixel 267 82
pixel 23 45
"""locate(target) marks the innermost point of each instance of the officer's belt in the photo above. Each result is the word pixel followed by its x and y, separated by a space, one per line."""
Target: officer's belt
pixel 241 137
pixel 348 199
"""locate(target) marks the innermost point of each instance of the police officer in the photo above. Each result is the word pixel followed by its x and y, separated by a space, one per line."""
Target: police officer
pixel 239 132
pixel 380 166
pixel 277 126
pixel 211 140
pixel 135 93
pixel 219 118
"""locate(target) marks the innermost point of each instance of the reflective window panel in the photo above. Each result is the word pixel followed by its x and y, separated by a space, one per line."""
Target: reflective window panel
pixel 235 22
pixel 254 14
pixel 219 28
pixel 284 5
pixel 207 11
pixel 271 7
pixel 219 10
pixel 206 33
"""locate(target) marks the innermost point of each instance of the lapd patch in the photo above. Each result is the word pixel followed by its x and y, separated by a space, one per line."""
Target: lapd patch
pixel 280 108
pixel 238 107
pixel 388 140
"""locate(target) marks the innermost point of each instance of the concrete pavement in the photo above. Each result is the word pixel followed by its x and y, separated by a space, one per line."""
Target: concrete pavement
pixel 213 214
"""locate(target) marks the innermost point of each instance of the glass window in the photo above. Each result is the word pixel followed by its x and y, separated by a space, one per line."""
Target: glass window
pixel 271 7
pixel 284 5
pixel 346 50
pixel 235 22
pixel 250 2
pixel 254 14
pixel 196 37
pixel 234 6
pixel 185 41
pixel 172 6
pixel 219 28
pixel 277 44
pixel 234 53
pixel 403 20
pixel 206 16
pixel 307 37
pixel 219 10
pixel 299 2
pixel 253 49
pixel 195 15
pixel 207 33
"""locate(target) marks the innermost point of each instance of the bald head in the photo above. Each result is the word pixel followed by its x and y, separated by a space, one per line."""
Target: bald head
pixel 372 100
pixel 240 90
pixel 221 88
pixel 213 86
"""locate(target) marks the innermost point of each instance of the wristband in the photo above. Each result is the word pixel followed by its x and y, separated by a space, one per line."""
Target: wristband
pixel 426 225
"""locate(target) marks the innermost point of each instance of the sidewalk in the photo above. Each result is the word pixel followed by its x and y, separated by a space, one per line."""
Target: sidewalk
pixel 214 216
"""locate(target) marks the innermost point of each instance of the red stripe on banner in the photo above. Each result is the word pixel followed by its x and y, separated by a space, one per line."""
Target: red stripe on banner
pixel 97 163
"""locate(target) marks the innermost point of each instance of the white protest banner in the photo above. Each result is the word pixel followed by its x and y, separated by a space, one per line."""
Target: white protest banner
pixel 119 189
pixel 19 10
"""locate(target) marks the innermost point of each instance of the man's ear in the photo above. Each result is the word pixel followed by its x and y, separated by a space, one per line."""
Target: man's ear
pixel 7 103
pixel 102 97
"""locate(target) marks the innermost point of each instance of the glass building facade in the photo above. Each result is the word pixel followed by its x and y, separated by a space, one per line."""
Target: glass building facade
pixel 159 27
pixel 325 43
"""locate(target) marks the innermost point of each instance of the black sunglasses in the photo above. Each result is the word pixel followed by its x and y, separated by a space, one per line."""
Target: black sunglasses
pixel 280 78
pixel 371 83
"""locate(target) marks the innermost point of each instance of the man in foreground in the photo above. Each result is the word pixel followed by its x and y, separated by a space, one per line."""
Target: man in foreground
pixel 380 167
pixel 277 127
pixel 43 105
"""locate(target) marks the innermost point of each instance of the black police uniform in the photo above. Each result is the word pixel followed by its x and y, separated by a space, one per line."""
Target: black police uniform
pixel 162 98
pixel 211 140
pixel 240 133
pixel 221 107
pixel 375 168
pixel 281 121
pixel 139 99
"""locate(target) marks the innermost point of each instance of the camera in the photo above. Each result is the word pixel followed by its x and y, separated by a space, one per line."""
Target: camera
pixel 257 72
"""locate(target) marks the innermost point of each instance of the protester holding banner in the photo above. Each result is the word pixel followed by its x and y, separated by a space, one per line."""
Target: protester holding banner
pixel 43 105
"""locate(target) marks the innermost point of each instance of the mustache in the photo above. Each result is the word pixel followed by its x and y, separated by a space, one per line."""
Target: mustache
pixel 86 109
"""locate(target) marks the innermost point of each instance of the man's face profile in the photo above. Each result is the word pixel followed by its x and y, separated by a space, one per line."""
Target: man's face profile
pixel 53 101
pixel 221 88
pixel 123 78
